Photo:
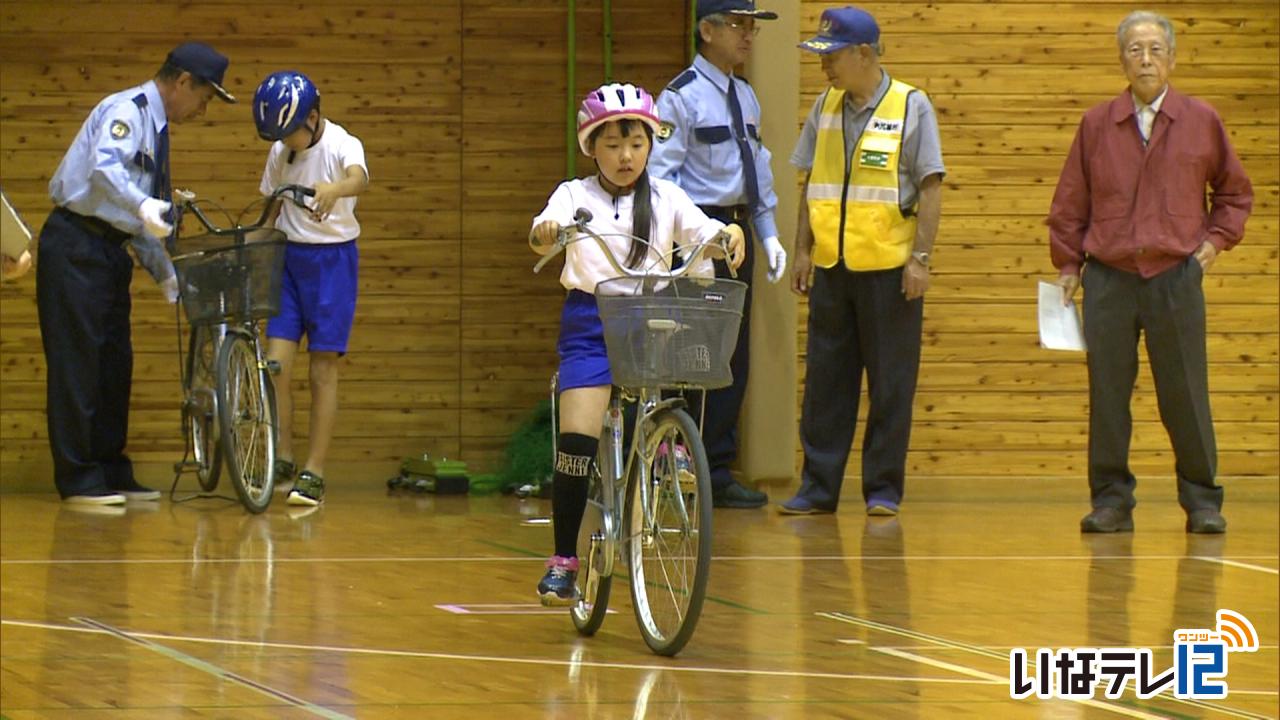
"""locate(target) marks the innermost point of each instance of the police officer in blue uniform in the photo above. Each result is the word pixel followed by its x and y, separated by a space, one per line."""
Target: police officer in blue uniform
pixel 111 190
pixel 709 144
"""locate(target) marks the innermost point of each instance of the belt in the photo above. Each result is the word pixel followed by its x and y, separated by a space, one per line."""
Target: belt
pixel 733 213
pixel 95 226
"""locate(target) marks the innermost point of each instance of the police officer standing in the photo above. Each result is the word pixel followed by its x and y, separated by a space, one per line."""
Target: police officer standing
pixel 111 188
pixel 709 145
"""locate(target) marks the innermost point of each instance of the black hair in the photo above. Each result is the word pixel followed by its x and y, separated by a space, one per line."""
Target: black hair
pixel 169 72
pixel 642 199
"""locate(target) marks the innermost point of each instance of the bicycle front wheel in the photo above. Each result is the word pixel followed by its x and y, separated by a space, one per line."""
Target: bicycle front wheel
pixel 246 414
pixel 669 531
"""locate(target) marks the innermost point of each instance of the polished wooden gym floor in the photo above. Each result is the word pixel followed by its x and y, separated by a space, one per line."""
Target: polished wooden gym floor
pixel 417 606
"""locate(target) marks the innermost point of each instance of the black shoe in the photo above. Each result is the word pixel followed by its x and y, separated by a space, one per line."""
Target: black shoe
pixel 1206 521
pixel 98 497
pixel 1107 520
pixel 133 490
pixel 734 495
pixel 308 489
pixel 285 470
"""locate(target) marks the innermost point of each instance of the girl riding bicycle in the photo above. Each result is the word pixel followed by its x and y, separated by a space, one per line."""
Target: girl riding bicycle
pixel 616 125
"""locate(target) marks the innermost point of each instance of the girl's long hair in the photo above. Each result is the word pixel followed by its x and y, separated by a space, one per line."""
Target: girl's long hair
pixel 642 201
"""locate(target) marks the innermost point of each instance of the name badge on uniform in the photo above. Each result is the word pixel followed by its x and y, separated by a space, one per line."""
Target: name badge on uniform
pixel 874 159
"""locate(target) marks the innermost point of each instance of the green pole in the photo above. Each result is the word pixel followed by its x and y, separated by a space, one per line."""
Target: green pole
pixel 607 10
pixel 571 114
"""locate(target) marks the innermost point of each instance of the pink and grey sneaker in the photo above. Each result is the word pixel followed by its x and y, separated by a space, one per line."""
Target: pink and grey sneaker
pixel 559 586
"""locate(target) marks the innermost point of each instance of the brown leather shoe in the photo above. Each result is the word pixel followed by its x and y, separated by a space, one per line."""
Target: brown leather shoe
pixel 1107 520
pixel 1207 521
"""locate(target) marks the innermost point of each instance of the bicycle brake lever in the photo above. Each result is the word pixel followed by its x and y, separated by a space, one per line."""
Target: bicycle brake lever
pixel 562 241
pixel 722 241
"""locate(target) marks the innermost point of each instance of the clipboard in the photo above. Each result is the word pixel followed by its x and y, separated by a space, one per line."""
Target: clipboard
pixel 15 236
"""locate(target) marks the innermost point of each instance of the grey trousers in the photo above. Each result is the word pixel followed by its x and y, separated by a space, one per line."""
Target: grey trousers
pixel 1168 310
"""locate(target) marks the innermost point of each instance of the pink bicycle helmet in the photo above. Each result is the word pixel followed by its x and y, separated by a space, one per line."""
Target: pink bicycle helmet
pixel 614 101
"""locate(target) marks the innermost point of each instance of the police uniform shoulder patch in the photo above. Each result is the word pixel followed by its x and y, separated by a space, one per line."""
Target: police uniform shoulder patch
pixel 683 79
pixel 119 129
pixel 665 129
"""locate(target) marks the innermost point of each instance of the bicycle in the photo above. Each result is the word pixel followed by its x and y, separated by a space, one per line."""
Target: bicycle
pixel 662 330
pixel 229 281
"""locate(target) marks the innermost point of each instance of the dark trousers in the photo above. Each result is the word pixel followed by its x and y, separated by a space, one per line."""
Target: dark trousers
pixel 859 321
pixel 1168 310
pixel 720 421
pixel 82 293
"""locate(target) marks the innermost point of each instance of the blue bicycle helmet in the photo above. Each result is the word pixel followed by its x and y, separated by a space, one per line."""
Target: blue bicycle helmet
pixel 282 103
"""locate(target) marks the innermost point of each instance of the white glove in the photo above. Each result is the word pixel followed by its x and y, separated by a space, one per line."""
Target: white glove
pixel 152 211
pixel 170 289
pixel 777 257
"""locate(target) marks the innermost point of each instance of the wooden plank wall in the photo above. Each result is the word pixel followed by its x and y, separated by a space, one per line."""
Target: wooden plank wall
pixel 460 105
pixel 1010 81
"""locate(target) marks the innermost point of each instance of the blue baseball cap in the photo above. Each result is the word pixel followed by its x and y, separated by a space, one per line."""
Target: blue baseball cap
pixel 202 62
pixel 842 27
pixel 733 7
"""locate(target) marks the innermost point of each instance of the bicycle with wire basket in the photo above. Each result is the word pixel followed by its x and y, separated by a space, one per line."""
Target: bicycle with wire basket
pixel 229 281
pixel 649 499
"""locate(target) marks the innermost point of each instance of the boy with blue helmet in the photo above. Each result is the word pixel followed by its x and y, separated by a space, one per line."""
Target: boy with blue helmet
pixel 318 288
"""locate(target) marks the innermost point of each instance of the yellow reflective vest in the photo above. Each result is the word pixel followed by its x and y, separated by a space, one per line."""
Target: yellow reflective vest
pixel 853 201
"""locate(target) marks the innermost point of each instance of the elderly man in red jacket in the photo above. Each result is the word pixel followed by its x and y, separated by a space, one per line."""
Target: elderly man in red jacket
pixel 1129 220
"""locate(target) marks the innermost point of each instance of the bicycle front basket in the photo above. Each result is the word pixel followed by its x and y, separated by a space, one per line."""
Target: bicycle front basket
pixel 231 283
pixel 673 333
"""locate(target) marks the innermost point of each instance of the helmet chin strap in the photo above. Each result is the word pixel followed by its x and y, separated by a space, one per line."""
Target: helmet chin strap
pixel 607 184
pixel 314 139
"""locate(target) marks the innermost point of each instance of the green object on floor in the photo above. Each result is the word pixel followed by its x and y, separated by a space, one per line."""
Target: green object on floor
pixel 426 474
pixel 527 460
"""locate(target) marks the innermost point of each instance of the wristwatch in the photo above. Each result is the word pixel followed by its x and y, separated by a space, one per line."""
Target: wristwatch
pixel 921 257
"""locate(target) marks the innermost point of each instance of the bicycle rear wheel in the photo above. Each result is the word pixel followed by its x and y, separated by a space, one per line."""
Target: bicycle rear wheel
pixel 596 549
pixel 200 411
pixel 669 531
pixel 246 415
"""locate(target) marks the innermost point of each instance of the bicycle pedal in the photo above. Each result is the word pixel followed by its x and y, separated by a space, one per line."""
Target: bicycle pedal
pixel 273 367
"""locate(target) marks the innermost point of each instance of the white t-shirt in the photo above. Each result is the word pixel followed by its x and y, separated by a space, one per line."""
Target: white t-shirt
pixel 326 161
pixel 676 221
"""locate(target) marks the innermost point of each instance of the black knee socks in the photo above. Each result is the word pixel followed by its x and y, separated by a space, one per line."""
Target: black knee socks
pixel 574 454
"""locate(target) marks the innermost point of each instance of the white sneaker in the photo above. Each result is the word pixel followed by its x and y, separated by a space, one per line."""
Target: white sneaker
pixel 104 498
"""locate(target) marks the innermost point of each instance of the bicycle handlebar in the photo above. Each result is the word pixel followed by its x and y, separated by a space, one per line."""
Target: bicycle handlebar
pixel 580 230
pixel 185 200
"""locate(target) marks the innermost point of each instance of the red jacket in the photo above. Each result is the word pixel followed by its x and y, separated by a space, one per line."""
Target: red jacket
pixel 1139 208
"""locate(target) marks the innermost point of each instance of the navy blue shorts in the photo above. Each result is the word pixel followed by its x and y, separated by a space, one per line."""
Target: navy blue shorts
pixel 317 295
pixel 583 360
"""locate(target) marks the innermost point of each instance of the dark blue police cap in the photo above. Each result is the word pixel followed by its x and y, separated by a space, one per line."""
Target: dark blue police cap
pixel 733 7
pixel 203 62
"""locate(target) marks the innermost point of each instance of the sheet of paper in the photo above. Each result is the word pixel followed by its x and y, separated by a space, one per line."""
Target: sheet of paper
pixel 1060 327
pixel 14 234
